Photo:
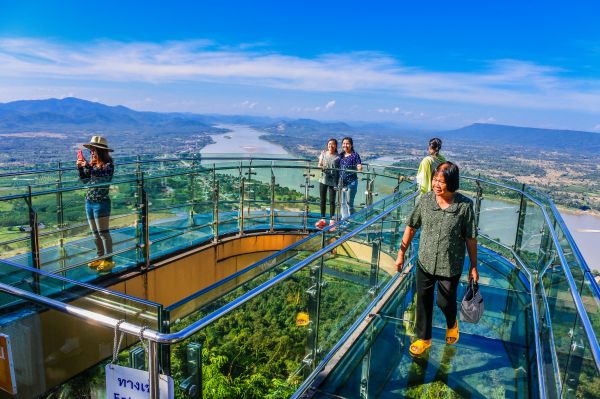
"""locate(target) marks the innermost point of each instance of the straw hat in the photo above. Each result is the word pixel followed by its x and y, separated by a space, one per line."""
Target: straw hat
pixel 98 142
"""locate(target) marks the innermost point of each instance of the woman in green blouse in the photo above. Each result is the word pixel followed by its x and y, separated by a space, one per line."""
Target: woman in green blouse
pixel 448 226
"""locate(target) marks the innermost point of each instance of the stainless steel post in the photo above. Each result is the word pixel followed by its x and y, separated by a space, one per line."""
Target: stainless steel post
pixel 192 189
pixel 375 253
pixel 215 200
pixel 478 199
pixel 242 192
pixel 139 203
pixel 314 311
pixel 60 216
pixel 146 224
pixel 307 186
pixel 272 211
pixel 369 191
pixel 153 369
pixel 34 239
pixel 520 222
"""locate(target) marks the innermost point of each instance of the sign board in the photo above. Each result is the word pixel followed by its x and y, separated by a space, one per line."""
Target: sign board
pixel 127 383
pixel 8 382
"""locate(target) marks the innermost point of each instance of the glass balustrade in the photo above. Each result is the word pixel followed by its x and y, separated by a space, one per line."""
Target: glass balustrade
pixel 293 310
pixel 159 206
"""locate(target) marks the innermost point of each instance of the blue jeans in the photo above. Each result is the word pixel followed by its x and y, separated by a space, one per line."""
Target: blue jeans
pixel 98 215
pixel 348 195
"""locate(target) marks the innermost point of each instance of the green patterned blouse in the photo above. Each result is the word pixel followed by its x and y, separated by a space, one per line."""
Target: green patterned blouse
pixel 443 237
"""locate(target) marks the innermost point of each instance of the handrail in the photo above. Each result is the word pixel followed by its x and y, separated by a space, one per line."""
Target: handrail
pixel 156 337
pixel 586 270
pixel 308 380
pixel 208 319
pixel 587 325
pixel 536 332
pixel 559 219
pixel 260 262
pixel 236 274
pixel 126 179
pixel 172 338
pixel 155 160
pixel 80 283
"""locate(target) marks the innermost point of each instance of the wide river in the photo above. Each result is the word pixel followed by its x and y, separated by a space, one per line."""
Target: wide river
pixel 241 140
pixel 584 228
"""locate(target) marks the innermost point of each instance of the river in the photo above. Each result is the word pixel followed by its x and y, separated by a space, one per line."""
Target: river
pixel 584 227
pixel 499 216
pixel 241 140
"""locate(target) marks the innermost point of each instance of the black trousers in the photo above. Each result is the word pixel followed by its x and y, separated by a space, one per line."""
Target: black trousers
pixel 324 189
pixel 446 300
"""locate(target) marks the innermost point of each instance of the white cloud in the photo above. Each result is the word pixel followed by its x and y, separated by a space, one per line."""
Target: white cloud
pixel 509 83
pixel 401 112
pixel 249 105
pixel 596 128
pixel 490 119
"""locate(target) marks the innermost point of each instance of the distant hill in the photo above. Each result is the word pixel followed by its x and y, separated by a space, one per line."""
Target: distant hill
pixel 57 125
pixel 548 139
pixel 73 114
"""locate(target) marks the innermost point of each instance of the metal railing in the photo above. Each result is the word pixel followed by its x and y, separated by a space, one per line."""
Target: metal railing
pixel 155 337
pixel 534 274
pixel 146 207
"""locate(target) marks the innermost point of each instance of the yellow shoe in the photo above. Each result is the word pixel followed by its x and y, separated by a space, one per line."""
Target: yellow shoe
pixel 452 334
pixel 418 347
pixel 94 264
pixel 106 266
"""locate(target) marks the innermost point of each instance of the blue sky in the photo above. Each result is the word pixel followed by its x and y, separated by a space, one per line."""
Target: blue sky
pixel 425 64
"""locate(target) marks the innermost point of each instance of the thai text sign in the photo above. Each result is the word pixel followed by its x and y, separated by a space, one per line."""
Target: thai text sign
pixel 127 383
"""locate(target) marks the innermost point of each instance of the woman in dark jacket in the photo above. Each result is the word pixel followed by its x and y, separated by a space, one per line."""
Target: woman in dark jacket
pixel 350 162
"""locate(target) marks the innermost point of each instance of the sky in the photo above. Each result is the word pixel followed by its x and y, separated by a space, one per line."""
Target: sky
pixel 430 64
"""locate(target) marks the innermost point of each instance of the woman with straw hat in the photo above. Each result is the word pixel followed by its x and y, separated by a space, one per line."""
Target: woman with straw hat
pixel 98 173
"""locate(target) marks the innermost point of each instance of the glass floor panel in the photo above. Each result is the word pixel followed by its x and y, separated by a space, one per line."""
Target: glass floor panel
pixel 494 358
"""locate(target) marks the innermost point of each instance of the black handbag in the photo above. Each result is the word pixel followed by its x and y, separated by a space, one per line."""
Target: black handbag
pixel 471 306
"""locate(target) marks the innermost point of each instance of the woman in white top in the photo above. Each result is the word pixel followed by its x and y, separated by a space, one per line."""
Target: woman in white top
pixel 329 162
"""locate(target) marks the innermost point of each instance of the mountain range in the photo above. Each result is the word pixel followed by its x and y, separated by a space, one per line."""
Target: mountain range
pixel 546 139
pixel 69 121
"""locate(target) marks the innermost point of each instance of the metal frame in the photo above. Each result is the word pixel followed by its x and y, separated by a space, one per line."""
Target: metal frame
pixel 170 338
pixel 534 311
pixel 156 337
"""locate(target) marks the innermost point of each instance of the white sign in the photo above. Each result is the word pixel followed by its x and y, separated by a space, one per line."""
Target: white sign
pixel 127 383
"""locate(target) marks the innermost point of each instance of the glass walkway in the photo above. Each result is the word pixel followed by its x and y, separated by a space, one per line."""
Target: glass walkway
pixel 322 315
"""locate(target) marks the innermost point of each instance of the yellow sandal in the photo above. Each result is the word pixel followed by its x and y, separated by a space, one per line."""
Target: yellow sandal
pixel 94 264
pixel 105 266
pixel 452 334
pixel 418 347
